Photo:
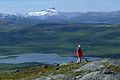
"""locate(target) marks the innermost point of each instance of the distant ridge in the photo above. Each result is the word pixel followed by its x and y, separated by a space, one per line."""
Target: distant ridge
pixel 54 15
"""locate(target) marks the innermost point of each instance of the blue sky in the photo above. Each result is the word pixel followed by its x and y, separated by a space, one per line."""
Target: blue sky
pixel 24 6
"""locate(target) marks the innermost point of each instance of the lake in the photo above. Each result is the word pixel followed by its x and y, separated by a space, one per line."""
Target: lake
pixel 44 58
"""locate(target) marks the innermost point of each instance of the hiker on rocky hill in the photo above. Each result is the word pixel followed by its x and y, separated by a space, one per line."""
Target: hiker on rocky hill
pixel 79 54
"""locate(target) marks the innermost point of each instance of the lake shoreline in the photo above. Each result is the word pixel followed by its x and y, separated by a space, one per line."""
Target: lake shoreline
pixel 42 58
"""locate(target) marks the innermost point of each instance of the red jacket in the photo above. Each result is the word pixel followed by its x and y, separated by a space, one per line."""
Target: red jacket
pixel 79 52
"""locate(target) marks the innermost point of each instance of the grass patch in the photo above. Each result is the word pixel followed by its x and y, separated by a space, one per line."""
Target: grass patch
pixel 38 71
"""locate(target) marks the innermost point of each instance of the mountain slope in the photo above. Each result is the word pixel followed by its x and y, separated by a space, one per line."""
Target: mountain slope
pixel 97 32
pixel 96 39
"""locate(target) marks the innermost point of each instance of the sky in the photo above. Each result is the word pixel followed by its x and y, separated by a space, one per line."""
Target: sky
pixel 25 6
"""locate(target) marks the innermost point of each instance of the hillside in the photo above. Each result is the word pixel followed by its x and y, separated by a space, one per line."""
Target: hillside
pixel 98 39
pixel 104 69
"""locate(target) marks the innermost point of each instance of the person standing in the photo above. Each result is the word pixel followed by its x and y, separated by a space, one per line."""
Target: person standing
pixel 79 54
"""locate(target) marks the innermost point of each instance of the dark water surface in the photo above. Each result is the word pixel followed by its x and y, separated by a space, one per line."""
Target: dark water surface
pixel 47 58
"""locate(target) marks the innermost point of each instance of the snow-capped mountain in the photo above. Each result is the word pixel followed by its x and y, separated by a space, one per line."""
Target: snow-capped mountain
pixel 44 12
pixel 53 15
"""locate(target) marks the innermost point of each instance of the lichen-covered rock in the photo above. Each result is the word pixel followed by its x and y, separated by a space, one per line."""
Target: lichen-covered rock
pixel 63 64
pixel 104 69
pixel 52 77
pixel 43 78
pixel 108 71
pixel 92 66
pixel 99 65
pixel 57 77
pixel 98 75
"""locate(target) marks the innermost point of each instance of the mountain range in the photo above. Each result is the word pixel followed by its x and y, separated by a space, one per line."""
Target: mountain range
pixel 53 15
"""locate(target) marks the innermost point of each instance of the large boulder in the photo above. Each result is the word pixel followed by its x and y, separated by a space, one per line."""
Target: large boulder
pixel 105 69
pixel 98 75
pixel 92 66
pixel 99 65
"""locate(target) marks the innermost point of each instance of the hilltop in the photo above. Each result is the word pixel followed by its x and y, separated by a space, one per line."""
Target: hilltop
pixel 104 69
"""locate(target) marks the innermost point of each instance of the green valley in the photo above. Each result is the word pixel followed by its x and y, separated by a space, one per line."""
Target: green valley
pixel 98 39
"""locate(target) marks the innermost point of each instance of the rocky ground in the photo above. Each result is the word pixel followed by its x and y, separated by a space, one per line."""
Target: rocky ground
pixel 104 69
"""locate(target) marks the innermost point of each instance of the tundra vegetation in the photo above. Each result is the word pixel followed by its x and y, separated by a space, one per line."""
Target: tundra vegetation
pixel 104 69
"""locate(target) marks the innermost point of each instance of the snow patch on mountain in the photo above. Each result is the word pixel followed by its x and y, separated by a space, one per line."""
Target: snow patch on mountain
pixel 44 12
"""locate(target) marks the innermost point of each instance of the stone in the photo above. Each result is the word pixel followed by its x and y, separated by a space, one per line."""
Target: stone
pixel 45 66
pixel 108 71
pixel 20 71
pixel 43 78
pixel 57 68
pixel 56 64
pixel 63 64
